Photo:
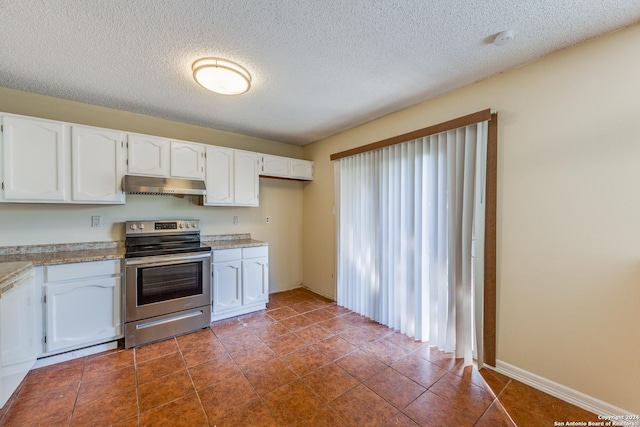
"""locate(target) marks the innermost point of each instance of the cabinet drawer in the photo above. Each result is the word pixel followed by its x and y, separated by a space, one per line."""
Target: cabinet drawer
pixel 81 270
pixel 223 255
pixel 255 252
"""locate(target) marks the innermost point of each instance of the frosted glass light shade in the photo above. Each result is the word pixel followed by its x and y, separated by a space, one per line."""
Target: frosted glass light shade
pixel 221 76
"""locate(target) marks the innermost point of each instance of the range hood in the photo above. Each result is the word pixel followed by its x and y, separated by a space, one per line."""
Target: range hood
pixel 134 184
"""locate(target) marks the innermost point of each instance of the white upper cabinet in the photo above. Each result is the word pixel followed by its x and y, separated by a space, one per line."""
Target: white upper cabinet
pixel 275 166
pixel 97 165
pixel 153 156
pixel 187 160
pixel 285 167
pixel 301 169
pixel 246 178
pixel 219 176
pixel 231 177
pixel 148 155
pixel 34 160
pixel 45 161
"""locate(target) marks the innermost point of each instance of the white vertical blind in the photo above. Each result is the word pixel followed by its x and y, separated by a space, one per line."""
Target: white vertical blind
pixel 407 216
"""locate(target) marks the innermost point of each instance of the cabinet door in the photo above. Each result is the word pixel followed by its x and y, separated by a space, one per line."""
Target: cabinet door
pixel 255 280
pixel 148 155
pixel 301 169
pixel 275 166
pixel 17 325
pixel 219 176
pixel 96 165
pixel 82 312
pixel 187 160
pixel 17 335
pixel 35 161
pixel 227 287
pixel 246 178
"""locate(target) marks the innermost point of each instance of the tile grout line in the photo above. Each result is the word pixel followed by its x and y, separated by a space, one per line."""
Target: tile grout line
pixel 498 400
pixel 135 369
pixel 242 372
pixel 327 404
pixel 281 358
pixel 278 356
pixel 195 389
pixel 376 353
pixel 359 347
pixel 75 402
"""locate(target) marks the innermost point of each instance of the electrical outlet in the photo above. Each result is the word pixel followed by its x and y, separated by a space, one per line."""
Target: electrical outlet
pixel 236 219
pixel 266 220
pixel 96 221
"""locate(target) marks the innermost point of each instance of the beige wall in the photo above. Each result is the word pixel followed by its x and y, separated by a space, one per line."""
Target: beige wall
pixel 47 107
pixel 568 211
pixel 25 224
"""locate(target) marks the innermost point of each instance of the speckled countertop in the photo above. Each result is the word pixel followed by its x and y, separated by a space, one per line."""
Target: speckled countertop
pixel 14 260
pixel 10 271
pixel 231 241
pixel 62 253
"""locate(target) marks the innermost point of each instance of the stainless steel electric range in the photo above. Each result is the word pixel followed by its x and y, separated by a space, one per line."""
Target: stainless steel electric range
pixel 167 282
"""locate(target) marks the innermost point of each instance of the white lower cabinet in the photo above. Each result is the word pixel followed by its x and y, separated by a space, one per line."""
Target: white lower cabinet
pixel 18 339
pixel 83 304
pixel 255 275
pixel 240 282
pixel 228 292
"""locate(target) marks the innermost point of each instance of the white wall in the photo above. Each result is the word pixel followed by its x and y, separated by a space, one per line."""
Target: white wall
pixel 280 200
pixel 29 224
pixel 568 211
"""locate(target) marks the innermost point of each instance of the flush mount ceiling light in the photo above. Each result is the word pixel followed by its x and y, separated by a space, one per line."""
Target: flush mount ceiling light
pixel 221 76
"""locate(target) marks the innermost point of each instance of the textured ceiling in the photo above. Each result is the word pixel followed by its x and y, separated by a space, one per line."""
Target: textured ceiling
pixel 318 66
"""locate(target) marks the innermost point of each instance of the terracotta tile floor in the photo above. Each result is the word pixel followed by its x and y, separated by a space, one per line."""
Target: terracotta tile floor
pixel 304 362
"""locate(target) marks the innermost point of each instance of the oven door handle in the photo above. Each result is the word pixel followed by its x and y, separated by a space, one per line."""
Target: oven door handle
pixel 166 259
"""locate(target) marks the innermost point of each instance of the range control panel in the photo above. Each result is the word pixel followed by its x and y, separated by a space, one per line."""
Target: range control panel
pixel 162 226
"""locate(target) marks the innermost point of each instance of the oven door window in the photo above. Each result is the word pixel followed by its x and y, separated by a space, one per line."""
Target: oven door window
pixel 167 282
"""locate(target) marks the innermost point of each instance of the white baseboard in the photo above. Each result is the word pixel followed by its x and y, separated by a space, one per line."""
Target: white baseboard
pixel 315 291
pixel 75 354
pixel 275 291
pixel 567 394
pixel 302 286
